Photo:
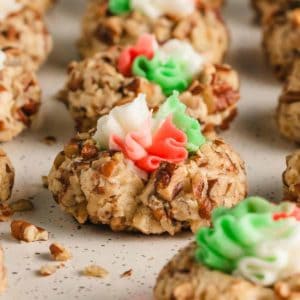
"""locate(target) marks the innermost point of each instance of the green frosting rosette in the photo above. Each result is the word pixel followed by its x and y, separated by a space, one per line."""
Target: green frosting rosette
pixel 190 126
pixel 247 240
pixel 168 75
pixel 119 7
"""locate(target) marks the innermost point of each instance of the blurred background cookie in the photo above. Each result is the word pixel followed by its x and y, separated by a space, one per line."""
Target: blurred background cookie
pixel 7 176
pixel 281 38
pixel 20 94
pixel 108 23
pixel 24 28
pixel 108 79
pixel 266 8
pixel 40 5
pixel 288 111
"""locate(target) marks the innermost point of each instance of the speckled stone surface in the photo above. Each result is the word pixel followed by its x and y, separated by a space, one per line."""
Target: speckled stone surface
pixel 253 134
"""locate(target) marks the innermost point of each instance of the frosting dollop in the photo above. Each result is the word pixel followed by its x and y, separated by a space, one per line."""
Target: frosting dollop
pixel 145 46
pixel 2 59
pixel 9 6
pixel 153 8
pixel 168 75
pixel 190 126
pixel 172 66
pixel 256 240
pixel 147 139
pixel 119 7
pixel 191 61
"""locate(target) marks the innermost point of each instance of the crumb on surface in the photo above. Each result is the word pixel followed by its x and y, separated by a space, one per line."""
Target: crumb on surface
pixel 127 273
pixel 95 271
pixel 27 232
pixel 48 270
pixel 59 252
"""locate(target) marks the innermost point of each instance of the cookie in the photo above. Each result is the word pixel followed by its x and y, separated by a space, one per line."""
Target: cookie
pixel 291 177
pixel 97 84
pixel 266 8
pixel 204 270
pixel 20 94
pixel 288 111
pixel 3 277
pixel 108 23
pixel 7 176
pixel 40 5
pixel 24 28
pixel 145 171
pixel 281 39
pixel 211 3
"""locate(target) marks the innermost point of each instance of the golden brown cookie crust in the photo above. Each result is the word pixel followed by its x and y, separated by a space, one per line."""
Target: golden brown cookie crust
pixel 204 30
pixel 185 279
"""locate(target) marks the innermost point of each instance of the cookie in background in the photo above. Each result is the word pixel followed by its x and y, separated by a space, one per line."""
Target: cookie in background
pixel 108 23
pixel 20 94
pixel 111 78
pixel 288 110
pixel 23 27
pixel 281 38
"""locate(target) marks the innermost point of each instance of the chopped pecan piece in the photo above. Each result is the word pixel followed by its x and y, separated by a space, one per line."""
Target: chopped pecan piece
pixel 59 253
pixel 27 232
pixel 95 271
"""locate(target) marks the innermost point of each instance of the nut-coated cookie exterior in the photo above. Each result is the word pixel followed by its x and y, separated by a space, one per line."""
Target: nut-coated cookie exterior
pixel 204 30
pixel 266 8
pixel 7 175
pixel 211 3
pixel 104 188
pixel 291 177
pixel 183 278
pixel 288 111
pixel 27 31
pixel 3 277
pixel 20 95
pixel 282 39
pixel 40 5
pixel 94 86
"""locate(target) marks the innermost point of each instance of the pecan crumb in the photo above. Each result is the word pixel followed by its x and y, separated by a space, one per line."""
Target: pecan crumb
pixel 59 253
pixel 95 271
pixel 48 270
pixel 21 205
pixel 24 231
pixel 127 273
pixel 49 140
